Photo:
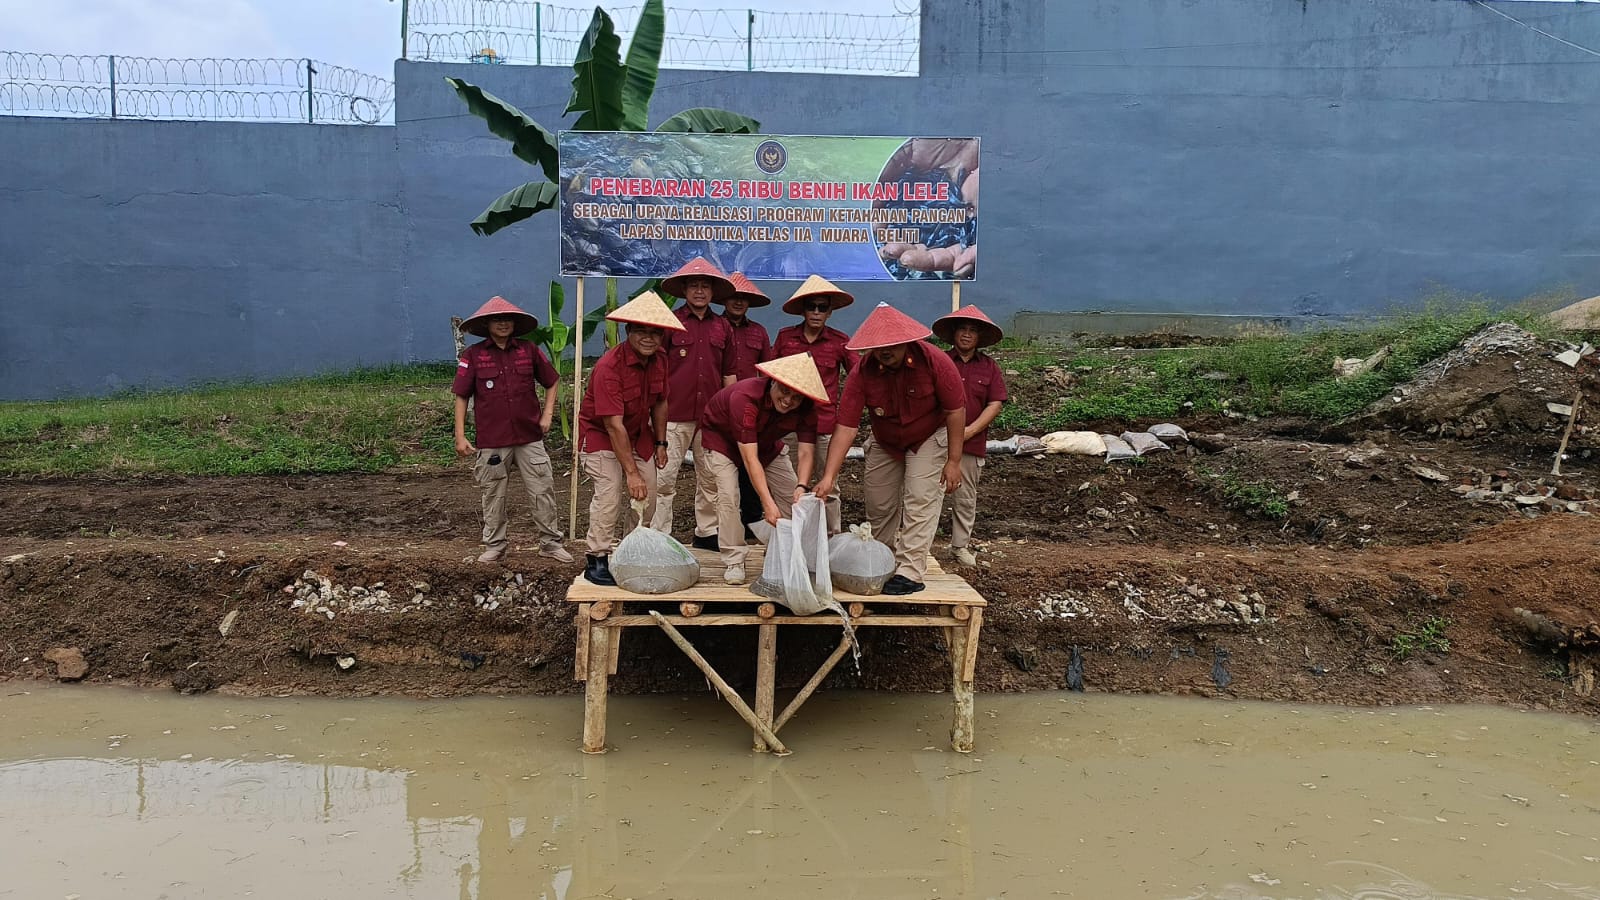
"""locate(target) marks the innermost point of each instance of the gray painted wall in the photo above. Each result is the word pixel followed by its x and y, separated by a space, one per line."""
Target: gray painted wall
pixel 1259 157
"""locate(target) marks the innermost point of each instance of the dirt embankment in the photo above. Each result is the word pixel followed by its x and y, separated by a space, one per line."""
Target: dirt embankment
pixel 1159 576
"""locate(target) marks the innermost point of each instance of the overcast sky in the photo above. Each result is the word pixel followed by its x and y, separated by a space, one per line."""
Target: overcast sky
pixel 360 34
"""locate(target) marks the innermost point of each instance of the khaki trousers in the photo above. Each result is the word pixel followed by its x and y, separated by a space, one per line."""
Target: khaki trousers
pixel 721 477
pixel 532 463
pixel 818 463
pixel 904 498
pixel 964 502
pixel 681 438
pixel 609 505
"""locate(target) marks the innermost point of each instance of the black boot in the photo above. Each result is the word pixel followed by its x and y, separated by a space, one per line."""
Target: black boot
pixel 708 542
pixel 597 570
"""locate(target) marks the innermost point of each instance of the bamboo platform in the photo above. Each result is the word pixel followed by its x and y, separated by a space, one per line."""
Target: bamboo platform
pixel 603 613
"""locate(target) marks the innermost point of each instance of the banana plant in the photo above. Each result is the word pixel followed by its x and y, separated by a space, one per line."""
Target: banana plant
pixel 609 95
pixel 555 335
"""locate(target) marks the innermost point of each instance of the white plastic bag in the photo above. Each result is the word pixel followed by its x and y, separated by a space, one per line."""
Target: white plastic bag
pixel 784 576
pixel 1086 443
pixel 860 565
pixel 649 562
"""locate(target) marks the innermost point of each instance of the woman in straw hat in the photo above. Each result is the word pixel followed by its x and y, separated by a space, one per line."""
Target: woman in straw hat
pixel 814 302
pixel 742 428
pixel 918 411
pixel 622 423
pixel 501 375
pixel 968 330
pixel 700 362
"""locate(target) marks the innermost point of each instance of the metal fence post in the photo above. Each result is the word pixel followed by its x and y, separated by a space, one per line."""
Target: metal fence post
pixel 112 65
pixel 538 34
pixel 405 25
pixel 750 41
pixel 311 100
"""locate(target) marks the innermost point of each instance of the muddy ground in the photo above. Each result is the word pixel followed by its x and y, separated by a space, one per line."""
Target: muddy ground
pixel 1161 575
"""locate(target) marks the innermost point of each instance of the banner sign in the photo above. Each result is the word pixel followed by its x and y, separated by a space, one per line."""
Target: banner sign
pixel 770 206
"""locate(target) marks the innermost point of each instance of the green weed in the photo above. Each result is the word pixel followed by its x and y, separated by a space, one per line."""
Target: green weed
pixel 1258 497
pixel 1427 636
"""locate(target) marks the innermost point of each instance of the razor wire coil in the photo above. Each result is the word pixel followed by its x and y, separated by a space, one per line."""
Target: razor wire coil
pixel 138 87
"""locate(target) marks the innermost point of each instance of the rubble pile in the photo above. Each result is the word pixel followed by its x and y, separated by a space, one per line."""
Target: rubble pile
pixel 318 595
pixel 1540 495
pixel 1182 602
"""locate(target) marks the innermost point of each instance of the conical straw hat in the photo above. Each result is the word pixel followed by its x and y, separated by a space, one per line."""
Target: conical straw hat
pixel 646 309
pixel 817 286
pixel 747 289
pixel 699 267
pixel 478 322
pixel 886 326
pixel 988 332
pixel 797 371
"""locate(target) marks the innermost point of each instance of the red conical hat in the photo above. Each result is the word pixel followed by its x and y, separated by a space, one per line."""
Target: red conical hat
pixel 478 322
pixel 699 267
pixel 885 327
pixel 747 289
pixel 988 332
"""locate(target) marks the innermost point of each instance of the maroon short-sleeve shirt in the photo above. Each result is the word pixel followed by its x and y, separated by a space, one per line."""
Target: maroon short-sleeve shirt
pixel 907 404
pixel 832 359
pixel 624 384
pixel 697 360
pixel 501 384
pixel 743 414
pixel 985 385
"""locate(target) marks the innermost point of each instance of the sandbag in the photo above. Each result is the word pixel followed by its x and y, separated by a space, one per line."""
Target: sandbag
pixel 784 576
pixel 1086 443
pixel 1143 442
pixel 1117 448
pixel 649 562
pixel 1169 432
pixel 859 564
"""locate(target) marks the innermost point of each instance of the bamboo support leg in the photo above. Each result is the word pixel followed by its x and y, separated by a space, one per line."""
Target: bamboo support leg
pixel 594 689
pixel 728 693
pixel 580 659
pixel 969 661
pixel 812 685
pixel 615 651
pixel 960 691
pixel 766 678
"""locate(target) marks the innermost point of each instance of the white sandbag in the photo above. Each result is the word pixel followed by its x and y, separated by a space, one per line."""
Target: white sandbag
pixel 649 562
pixel 1143 442
pixel 784 575
pixel 1086 443
pixel 1169 432
pixel 859 564
pixel 1117 448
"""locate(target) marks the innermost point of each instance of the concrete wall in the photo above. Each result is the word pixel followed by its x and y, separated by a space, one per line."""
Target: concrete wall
pixel 154 254
pixel 1246 157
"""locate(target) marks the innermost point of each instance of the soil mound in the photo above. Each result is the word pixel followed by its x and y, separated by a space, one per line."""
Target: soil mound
pixel 1581 316
pixel 1501 379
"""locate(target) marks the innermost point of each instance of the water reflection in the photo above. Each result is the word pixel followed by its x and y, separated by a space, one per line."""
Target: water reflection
pixel 112 793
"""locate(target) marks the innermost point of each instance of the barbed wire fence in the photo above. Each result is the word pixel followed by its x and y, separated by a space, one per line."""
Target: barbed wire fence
pixel 529 33
pixel 138 87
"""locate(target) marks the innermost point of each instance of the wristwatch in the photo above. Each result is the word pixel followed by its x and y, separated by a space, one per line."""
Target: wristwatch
pixel 661 443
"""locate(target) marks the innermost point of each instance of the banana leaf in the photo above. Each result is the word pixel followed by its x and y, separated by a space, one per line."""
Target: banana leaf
pixel 643 64
pixel 708 120
pixel 515 205
pixel 530 142
pixel 597 77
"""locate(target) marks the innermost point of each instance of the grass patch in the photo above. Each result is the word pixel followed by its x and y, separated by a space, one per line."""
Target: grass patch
pixel 362 421
pixel 1254 497
pixel 1427 636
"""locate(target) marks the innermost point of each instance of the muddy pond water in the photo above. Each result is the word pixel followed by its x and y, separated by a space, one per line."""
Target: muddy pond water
pixel 114 793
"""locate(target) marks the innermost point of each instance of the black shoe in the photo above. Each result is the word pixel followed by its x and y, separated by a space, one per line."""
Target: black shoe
pixel 707 542
pixel 597 570
pixel 899 585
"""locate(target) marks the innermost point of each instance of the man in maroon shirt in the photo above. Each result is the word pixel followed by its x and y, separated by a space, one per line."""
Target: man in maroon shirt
pixel 700 362
pixel 815 302
pixel 968 330
pixel 741 430
pixel 622 423
pixel 501 375
pixel 750 342
pixel 918 415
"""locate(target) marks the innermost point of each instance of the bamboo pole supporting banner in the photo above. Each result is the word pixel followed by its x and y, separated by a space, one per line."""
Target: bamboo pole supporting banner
pixel 727 692
pixel 955 295
pixel 577 401
pixel 812 685
pixel 766 678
